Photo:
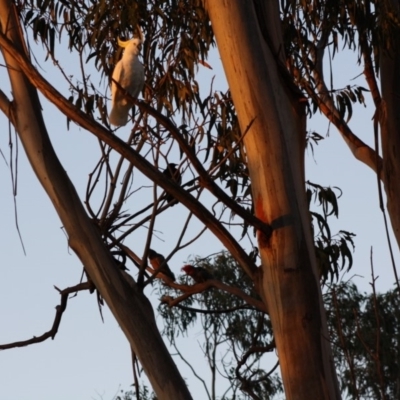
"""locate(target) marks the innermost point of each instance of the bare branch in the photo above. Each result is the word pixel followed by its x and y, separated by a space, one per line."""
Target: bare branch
pixel 360 150
pixel 346 351
pixel 204 177
pixel 138 262
pixel 192 369
pixel 222 311
pixel 57 320
pixel 377 350
pixel 6 106
pixel 136 159
pixel 189 290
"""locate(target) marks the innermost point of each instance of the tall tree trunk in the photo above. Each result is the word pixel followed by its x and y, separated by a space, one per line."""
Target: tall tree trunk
pixel 390 124
pixel 270 112
pixel 129 305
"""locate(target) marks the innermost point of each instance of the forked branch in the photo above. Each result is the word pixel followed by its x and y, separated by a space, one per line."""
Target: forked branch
pixel 360 150
pixel 79 117
pixel 57 319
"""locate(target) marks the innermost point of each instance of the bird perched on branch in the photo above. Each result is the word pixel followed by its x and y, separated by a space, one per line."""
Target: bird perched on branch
pixel 172 172
pixel 158 263
pixel 129 73
pixel 121 263
pixel 198 274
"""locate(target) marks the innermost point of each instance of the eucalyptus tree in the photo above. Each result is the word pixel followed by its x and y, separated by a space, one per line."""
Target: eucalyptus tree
pixel 250 139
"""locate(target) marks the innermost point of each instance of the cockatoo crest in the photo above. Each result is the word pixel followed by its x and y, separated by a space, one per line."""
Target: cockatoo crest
pixel 129 73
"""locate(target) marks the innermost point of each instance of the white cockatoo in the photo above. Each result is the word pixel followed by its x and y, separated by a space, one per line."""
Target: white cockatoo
pixel 129 73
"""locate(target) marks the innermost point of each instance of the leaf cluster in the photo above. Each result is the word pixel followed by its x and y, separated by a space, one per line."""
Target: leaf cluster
pixel 333 251
pixel 177 37
pixel 228 323
pixel 143 392
pixel 311 26
pixel 366 337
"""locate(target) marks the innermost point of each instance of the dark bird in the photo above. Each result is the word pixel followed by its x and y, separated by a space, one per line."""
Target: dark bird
pixel 198 274
pixel 158 263
pixel 121 263
pixel 172 172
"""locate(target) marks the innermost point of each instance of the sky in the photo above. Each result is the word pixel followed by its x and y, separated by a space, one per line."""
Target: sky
pixel 89 359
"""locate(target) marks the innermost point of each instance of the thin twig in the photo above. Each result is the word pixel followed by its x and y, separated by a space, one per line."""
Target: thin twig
pixel 57 320
pixel 223 311
pixel 140 162
pixel 376 354
pixel 345 349
pixel 193 370
pixel 377 117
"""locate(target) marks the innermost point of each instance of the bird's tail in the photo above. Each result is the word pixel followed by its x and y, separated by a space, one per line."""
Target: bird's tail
pixel 119 114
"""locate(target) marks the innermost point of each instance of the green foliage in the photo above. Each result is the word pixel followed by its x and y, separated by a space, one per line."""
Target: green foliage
pixel 364 330
pixel 177 39
pixel 239 331
pixel 332 251
pixel 313 138
pixel 310 27
pixel 366 341
pixel 143 393
pixel 225 269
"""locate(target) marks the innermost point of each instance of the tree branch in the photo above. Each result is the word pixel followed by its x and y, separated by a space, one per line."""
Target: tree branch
pixel 360 150
pixel 139 262
pixel 223 311
pixel 136 159
pixel 192 369
pixel 204 177
pixel 57 320
pixel 6 106
pixel 189 290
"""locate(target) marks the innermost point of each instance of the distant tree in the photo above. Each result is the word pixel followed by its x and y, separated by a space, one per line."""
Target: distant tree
pixel 140 394
pixel 364 329
pixel 238 337
pixel 250 140
pixel 365 333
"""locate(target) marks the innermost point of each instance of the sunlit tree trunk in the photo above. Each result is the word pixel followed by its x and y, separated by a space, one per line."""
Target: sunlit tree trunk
pixel 390 126
pixel 272 117
pixel 129 305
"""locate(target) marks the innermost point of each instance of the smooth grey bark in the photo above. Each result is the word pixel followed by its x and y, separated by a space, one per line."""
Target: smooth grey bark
pixel 250 44
pixel 129 305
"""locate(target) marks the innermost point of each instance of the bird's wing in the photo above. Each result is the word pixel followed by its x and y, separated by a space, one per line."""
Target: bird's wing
pixel 178 176
pixel 116 76
pixel 133 79
pixel 119 105
pixel 119 75
pixel 154 263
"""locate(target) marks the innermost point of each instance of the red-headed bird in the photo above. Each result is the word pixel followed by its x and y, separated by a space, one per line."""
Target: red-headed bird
pixel 198 274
